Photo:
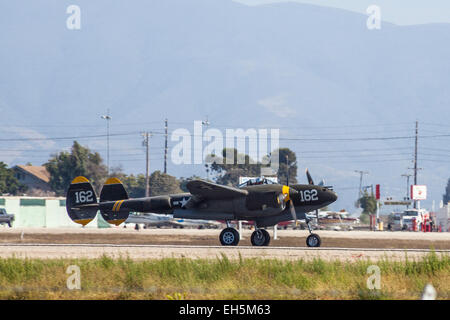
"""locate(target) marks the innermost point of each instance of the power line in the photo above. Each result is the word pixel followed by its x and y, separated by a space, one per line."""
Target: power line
pixel 244 138
pixel 68 137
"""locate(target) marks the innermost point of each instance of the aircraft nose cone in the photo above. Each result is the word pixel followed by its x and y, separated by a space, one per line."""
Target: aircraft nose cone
pixel 332 195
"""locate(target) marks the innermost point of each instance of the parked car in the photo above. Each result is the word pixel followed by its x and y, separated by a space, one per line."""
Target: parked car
pixel 6 218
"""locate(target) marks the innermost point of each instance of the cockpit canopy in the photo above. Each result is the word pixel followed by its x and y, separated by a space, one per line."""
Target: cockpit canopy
pixel 257 181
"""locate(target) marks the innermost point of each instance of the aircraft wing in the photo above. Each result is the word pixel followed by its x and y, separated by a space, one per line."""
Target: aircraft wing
pixel 211 191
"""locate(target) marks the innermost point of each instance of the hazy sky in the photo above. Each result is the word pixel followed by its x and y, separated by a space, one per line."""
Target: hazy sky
pixel 401 12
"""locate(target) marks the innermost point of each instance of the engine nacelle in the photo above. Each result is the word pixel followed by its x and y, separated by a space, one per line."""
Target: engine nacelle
pixel 263 201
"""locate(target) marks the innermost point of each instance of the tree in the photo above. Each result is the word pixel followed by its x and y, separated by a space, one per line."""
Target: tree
pixel 8 181
pixel 160 183
pixel 163 183
pixel 133 184
pixel 229 173
pixel 446 196
pixel 184 181
pixel 232 165
pixel 369 205
pixel 65 166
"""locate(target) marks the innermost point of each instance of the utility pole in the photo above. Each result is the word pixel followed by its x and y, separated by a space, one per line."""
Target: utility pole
pixel 365 188
pixel 145 143
pixel 415 152
pixel 407 186
pixel 165 145
pixel 108 118
pixel 415 159
pixel 361 173
pixel 415 168
pixel 287 170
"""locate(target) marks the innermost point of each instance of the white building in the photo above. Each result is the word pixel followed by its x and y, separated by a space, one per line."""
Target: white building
pixel 443 218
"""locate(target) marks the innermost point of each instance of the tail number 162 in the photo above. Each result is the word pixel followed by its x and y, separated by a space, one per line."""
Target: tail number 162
pixel 308 195
pixel 84 196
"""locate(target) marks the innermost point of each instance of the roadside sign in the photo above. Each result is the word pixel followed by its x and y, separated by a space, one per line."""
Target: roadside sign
pixel 418 192
pixel 397 203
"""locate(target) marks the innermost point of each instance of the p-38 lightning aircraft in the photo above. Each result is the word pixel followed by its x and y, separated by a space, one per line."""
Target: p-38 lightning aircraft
pixel 264 203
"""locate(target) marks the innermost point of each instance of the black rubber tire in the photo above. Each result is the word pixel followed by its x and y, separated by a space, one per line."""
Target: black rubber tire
pixel 260 238
pixel 229 237
pixel 313 240
pixel 267 235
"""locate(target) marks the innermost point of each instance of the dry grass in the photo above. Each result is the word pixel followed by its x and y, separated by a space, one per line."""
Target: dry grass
pixel 123 278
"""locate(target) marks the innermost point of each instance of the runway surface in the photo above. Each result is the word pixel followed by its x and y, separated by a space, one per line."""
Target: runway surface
pixel 47 243
pixel 56 251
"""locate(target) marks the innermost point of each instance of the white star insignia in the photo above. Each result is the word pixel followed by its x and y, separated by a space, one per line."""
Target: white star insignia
pixel 183 202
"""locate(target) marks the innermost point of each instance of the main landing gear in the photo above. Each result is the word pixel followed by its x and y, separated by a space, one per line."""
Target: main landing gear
pixel 229 236
pixel 260 237
pixel 313 240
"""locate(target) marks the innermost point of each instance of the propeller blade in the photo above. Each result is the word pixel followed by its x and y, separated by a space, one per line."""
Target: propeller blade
pixel 308 176
pixel 317 216
pixel 293 213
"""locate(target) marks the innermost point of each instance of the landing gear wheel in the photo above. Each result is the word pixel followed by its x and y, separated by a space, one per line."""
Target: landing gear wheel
pixel 266 243
pixel 229 237
pixel 313 240
pixel 260 238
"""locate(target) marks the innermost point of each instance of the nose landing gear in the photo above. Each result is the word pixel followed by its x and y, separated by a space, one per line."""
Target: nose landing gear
pixel 313 240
